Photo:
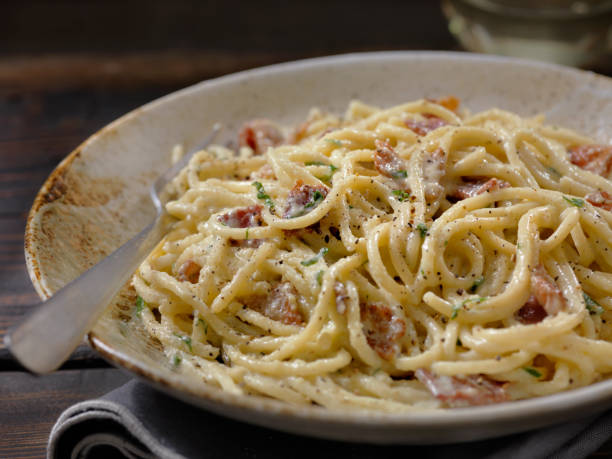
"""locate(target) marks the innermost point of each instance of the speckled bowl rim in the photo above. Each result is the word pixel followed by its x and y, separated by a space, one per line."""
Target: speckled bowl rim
pixel 595 397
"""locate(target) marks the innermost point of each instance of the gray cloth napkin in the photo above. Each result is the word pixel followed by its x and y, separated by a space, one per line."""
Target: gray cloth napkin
pixel 136 421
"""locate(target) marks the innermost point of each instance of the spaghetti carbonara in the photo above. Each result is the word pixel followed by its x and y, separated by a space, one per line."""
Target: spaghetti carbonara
pixel 390 259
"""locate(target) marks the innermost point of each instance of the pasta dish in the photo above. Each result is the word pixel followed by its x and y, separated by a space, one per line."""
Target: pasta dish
pixel 413 257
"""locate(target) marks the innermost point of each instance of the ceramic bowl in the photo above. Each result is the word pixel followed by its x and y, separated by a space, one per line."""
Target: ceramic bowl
pixel 96 199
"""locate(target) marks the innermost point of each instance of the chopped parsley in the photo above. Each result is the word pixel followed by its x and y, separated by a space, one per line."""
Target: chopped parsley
pixel 204 325
pixel 140 305
pixel 246 235
pixel 186 340
pixel 261 194
pixel 461 305
pixel 592 306
pixel 533 372
pixel 320 277
pixel 316 258
pixel 574 201
pixel 553 171
pixel 317 197
pixel 401 195
pixel 399 174
pixel 477 283
pixel 323 178
pixel 177 360
pixel 336 142
pixel 422 227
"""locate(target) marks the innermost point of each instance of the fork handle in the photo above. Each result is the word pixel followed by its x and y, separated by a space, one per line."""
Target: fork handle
pixel 45 339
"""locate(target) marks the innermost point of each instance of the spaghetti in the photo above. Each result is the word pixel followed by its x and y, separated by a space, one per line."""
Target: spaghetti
pixel 392 259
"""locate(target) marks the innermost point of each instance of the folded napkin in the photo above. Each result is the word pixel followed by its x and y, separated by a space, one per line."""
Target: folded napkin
pixel 137 421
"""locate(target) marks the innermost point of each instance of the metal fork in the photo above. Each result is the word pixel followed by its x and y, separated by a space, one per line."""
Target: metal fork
pixel 46 337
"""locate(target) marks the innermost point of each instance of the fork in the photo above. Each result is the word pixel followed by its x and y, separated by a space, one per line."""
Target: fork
pixel 47 336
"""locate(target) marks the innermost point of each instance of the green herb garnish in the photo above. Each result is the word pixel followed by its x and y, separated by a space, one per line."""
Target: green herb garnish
pixel 323 178
pixel 336 142
pixel 186 340
pixel 477 283
pixel 317 197
pixel 401 195
pixel 422 229
pixel 140 305
pixel 261 194
pixel 320 277
pixel 246 236
pixel 553 171
pixel 592 306
pixel 533 372
pixel 461 305
pixel 574 201
pixel 316 258
pixel 399 174
pixel 177 360
pixel 204 325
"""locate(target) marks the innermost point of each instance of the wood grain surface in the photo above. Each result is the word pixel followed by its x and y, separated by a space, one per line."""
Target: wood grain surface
pixel 68 67
pixel 30 404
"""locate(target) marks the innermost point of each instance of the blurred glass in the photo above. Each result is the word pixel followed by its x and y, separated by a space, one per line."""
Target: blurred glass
pixel 567 32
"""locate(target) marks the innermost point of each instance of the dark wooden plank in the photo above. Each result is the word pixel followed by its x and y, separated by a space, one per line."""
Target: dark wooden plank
pixel 265 25
pixel 129 70
pixel 31 404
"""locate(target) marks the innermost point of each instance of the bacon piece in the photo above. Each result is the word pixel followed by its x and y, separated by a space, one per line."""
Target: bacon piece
pixel 423 127
pixel 341 297
pixel 260 134
pixel 382 329
pixel 592 158
pixel 546 292
pixel 449 102
pixel 246 243
pixel 280 304
pixel 303 199
pixel 189 271
pixel 540 361
pixel 458 391
pixel 265 172
pixel 434 168
pixel 531 312
pixel 243 217
pixel 600 199
pixel 387 161
pixel 482 185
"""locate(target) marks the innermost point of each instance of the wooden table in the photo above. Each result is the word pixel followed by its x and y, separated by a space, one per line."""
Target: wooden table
pixel 53 95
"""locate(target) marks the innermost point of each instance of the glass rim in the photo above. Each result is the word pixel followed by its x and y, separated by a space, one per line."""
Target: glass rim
pixel 572 10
